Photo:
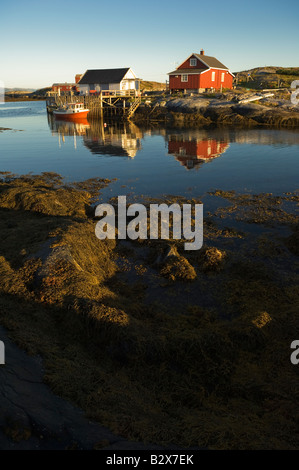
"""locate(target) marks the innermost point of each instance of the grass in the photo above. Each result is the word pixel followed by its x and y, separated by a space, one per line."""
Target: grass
pixel 193 352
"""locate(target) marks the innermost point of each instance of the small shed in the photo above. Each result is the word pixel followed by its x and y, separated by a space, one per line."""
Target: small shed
pixel 93 81
pixel 63 87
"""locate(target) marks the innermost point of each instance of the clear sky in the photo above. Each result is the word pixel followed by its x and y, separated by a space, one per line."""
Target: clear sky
pixel 46 42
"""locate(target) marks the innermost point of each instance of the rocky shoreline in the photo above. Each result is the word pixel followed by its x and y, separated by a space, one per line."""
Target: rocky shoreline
pixel 221 109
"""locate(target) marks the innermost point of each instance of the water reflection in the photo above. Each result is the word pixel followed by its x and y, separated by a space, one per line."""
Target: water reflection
pixel 248 152
pixel 119 139
pixel 155 156
pixel 193 148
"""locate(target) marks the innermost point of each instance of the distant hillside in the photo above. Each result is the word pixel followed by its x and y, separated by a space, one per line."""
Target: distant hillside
pixel 19 94
pixel 267 77
pixel 41 92
pixel 152 86
pixel 19 90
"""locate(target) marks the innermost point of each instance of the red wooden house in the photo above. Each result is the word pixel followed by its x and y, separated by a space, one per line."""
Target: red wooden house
pixel 199 73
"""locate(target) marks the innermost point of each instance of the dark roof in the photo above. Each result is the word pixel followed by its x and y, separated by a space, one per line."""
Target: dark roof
pixel 210 61
pixel 64 84
pixel 188 71
pixel 103 76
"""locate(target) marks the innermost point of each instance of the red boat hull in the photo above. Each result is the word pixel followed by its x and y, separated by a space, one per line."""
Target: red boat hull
pixel 71 116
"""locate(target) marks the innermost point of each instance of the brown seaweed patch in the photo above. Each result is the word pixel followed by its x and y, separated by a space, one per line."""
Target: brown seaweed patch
pixel 210 258
pixel 176 267
pixel 47 194
pixel 203 363
pixel 262 208
pixel 261 320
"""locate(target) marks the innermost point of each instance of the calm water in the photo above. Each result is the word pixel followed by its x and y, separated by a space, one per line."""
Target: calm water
pixel 151 161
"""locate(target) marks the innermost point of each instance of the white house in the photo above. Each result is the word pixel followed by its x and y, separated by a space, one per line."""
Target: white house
pixel 93 81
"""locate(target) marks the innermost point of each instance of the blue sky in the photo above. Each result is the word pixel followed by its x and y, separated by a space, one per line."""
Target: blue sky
pixel 43 43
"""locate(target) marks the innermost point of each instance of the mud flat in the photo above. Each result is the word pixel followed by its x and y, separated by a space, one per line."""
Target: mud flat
pixel 157 344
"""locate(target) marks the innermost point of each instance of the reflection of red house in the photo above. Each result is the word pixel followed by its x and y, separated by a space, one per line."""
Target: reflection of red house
pixel 199 73
pixel 191 153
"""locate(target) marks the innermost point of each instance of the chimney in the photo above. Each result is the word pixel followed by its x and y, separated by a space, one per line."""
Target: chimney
pixel 202 52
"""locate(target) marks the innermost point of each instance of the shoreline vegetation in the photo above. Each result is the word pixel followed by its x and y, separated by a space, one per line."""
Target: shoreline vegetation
pixel 159 345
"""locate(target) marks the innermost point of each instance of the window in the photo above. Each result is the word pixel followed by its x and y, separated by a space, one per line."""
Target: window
pixel 213 76
pixel 222 77
pixel 184 78
pixel 193 62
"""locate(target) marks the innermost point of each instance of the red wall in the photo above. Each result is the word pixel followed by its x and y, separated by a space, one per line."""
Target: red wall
pixel 203 80
pixel 201 149
pixel 206 79
pixel 176 83
pixel 62 87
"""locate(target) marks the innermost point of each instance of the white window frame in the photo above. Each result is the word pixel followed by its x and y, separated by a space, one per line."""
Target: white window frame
pixel 222 77
pixel 184 78
pixel 193 62
pixel 213 76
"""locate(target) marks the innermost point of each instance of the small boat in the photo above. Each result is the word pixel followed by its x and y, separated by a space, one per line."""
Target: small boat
pixel 71 111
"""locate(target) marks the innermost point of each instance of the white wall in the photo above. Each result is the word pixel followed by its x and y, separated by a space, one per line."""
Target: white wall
pixel 127 85
pixel 84 89
pixel 130 74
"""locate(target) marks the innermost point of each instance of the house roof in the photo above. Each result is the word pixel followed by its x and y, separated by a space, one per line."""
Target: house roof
pixel 64 84
pixel 210 61
pixel 187 71
pixel 103 76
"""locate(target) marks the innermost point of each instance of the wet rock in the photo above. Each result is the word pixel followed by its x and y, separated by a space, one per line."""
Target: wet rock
pixel 174 266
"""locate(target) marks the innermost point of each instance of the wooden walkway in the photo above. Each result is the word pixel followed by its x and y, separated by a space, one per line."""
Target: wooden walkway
pixel 119 104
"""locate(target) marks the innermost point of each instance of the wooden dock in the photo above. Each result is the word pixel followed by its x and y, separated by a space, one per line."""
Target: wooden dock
pixel 118 104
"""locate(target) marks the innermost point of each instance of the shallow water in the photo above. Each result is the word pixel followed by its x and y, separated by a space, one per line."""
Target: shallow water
pixel 153 160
